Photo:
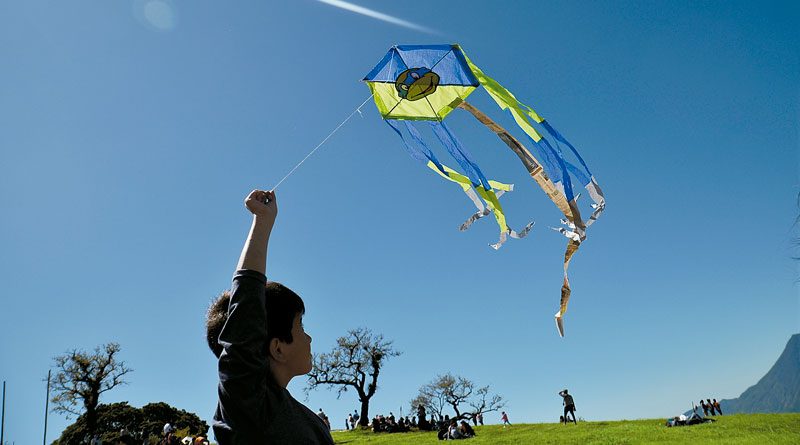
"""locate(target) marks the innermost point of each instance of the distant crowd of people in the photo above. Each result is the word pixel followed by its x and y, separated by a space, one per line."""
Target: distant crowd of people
pixel 446 428
pixel 390 424
pixel 457 431
pixel 352 420
pixel 710 406
pixel 168 437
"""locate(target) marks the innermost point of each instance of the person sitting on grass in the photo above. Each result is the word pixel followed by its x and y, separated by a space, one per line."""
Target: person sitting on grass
pixel 443 430
pixel 256 332
pixel 377 424
pixel 453 432
pixel 466 430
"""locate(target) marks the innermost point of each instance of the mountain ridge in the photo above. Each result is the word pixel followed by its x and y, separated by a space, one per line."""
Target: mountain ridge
pixel 778 391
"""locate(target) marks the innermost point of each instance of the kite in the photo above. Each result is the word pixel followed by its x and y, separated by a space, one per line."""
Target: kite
pixel 414 83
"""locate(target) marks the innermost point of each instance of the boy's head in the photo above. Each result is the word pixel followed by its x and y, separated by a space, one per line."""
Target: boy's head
pixel 284 309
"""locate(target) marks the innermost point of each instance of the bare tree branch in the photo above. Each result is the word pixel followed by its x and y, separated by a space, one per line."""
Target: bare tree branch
pixel 82 377
pixel 458 393
pixel 355 362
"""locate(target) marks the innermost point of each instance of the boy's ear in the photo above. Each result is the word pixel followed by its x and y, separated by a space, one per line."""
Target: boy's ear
pixel 276 350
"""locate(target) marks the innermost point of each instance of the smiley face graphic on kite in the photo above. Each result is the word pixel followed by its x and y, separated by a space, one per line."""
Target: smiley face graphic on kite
pixel 416 83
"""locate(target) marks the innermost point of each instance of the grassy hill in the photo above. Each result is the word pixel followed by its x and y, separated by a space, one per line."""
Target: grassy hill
pixel 734 429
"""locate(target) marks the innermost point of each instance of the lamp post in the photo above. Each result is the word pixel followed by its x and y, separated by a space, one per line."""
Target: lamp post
pixel 46 408
pixel 3 420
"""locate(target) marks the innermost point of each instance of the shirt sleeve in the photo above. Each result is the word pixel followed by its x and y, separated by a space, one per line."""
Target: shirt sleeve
pixel 244 362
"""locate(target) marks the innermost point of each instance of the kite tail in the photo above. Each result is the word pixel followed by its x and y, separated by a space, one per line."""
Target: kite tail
pixel 599 201
pixel 555 180
pixel 484 187
pixel 532 164
pixel 572 247
pixel 422 153
pixel 510 233
pixel 576 234
pixel 560 168
pixel 500 190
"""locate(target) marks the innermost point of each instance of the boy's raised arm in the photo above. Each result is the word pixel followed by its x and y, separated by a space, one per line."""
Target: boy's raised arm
pixel 264 208
pixel 243 364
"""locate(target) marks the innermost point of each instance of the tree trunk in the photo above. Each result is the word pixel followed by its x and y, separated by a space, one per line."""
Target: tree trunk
pixel 364 419
pixel 455 408
pixel 90 404
pixel 91 420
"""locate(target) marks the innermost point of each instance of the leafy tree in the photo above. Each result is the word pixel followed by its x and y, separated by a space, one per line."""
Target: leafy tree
pixel 458 393
pixel 142 423
pixel 81 378
pixel 354 363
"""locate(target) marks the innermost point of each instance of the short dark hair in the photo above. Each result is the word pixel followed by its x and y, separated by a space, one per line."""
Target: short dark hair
pixel 283 305
pixel 216 316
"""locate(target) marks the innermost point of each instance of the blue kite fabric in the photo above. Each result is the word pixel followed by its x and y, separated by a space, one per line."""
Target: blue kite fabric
pixel 426 83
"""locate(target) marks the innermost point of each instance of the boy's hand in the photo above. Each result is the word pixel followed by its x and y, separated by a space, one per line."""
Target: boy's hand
pixel 262 204
pixel 264 208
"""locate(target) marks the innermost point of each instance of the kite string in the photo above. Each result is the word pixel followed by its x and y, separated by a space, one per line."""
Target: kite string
pixel 357 110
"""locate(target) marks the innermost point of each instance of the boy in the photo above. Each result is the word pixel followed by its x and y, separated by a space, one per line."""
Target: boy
pixel 504 418
pixel 256 332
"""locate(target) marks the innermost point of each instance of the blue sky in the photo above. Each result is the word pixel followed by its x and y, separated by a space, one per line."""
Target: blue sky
pixel 132 130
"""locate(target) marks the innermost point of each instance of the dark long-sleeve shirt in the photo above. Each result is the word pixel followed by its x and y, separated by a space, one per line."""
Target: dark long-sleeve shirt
pixel 253 409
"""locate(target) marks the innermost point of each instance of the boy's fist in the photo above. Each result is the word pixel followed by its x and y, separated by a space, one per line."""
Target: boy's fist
pixel 262 204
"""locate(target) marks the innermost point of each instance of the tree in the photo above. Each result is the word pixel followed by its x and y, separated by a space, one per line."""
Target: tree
pixel 82 377
pixel 143 424
pixel 355 362
pixel 458 393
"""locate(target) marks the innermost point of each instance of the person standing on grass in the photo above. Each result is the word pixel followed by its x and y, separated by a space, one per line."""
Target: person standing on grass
pixel 717 407
pixel 711 407
pixel 569 406
pixel 705 408
pixel 504 418
pixel 324 418
pixel 256 332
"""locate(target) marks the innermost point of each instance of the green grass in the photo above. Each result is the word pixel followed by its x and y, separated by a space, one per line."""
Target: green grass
pixel 733 429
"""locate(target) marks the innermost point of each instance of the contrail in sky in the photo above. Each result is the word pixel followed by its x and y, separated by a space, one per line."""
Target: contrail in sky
pixel 376 15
